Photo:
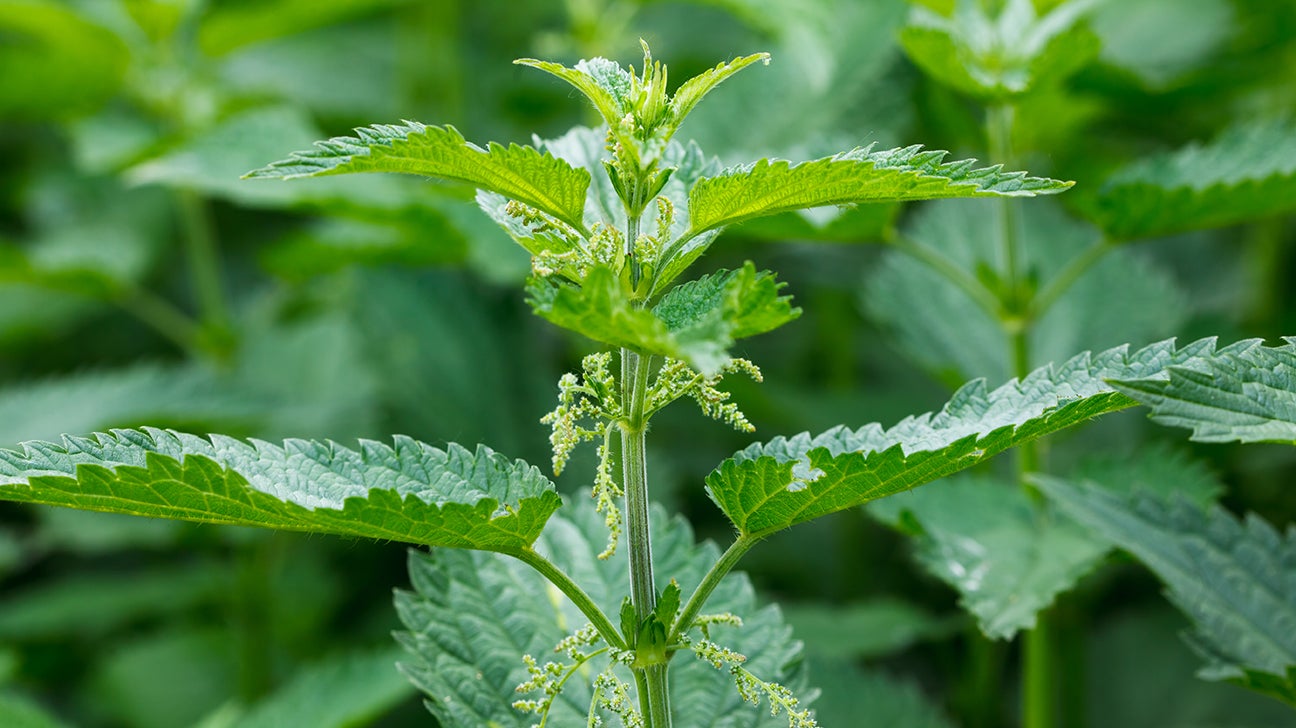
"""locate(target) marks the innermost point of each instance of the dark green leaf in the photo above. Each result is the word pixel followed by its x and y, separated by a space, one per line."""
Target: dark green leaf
pixel 473 615
pixel 1233 578
pixel 985 537
pixel 953 335
pixel 1007 556
pixel 407 492
pixel 1249 171
pixel 1249 396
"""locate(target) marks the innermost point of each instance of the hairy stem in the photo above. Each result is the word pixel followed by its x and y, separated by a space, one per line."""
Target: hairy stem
pixel 728 560
pixel 583 602
pixel 654 698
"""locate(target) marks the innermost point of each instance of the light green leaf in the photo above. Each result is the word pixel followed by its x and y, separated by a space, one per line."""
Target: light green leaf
pixel 1248 172
pixel 351 689
pixel 1249 396
pixel 521 173
pixel 1134 39
pixel 601 309
pixel 55 63
pixel 1011 53
pixel 771 486
pixel 407 492
pixel 1232 578
pixel 227 26
pixel 605 83
pixel 871 629
pixel 20 711
pixel 586 148
pixel 953 335
pixel 691 92
pixel 695 322
pixel 985 537
pixel 473 615
pixel 861 175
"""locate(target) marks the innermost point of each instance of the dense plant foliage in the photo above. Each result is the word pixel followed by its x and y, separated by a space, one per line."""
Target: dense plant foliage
pixel 149 293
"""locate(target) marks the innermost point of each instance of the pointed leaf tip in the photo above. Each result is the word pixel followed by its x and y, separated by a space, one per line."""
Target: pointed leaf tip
pixel 406 491
pixel 518 172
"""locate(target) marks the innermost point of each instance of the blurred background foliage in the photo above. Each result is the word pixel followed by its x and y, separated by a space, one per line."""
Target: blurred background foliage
pixel 141 282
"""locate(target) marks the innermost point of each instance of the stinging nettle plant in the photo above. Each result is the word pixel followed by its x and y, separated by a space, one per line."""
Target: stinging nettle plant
pixel 612 218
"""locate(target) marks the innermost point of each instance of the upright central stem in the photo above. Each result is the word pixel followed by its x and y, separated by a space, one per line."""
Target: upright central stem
pixel 634 470
pixel 654 699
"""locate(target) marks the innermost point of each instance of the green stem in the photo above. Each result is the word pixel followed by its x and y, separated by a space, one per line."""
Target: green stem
pixel 728 560
pixel 999 120
pixel 163 317
pixel 204 263
pixel 951 272
pixel 1037 691
pixel 1067 277
pixel 654 697
pixel 583 602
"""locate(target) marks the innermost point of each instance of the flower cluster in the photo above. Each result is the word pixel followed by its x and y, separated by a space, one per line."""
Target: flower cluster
pixel 588 408
pixel 676 379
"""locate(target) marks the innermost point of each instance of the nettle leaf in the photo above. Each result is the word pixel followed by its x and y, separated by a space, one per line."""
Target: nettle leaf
pixel 144 392
pixel 741 303
pixel 407 491
pixel 1249 171
pixel 1134 39
pixel 473 615
pixel 1009 557
pixel 861 175
pixel 771 486
pixel 1009 54
pixel 1232 578
pixel 694 322
pixel 521 173
pixel 954 336
pixel 1249 396
pixel 985 538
